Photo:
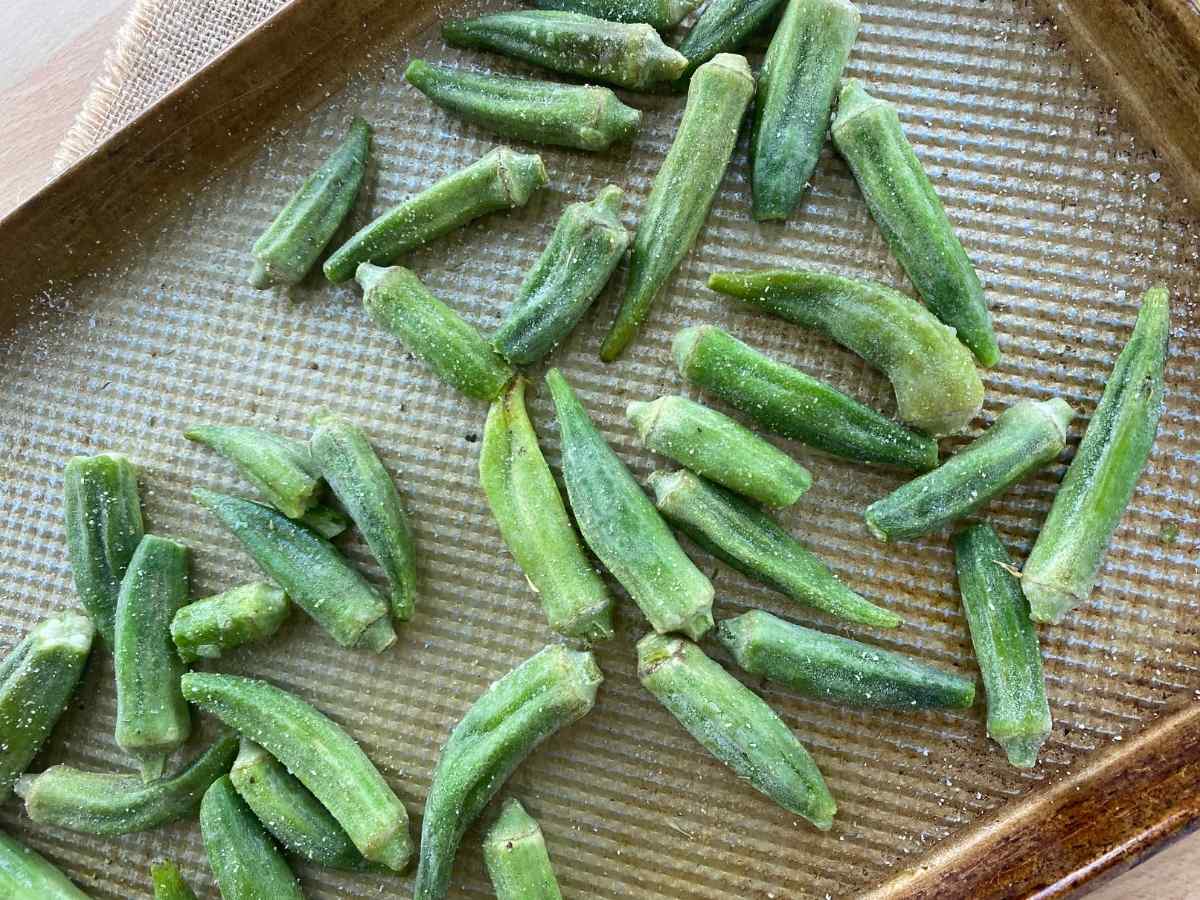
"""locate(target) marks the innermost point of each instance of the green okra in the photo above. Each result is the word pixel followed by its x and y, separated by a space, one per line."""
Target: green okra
pixel 867 133
pixel 734 724
pixel 244 859
pixel 310 570
pixel 1025 437
pixel 586 247
pixel 549 691
pixel 278 467
pixel 1066 558
pixel 152 717
pixel 514 851
pixel 168 882
pixel 533 521
pixel 207 628
pixel 662 14
pixel 325 521
pixel 724 25
pixel 622 527
pixel 396 300
pixel 796 88
pixel 934 376
pixel 500 179
pixel 628 55
pixel 788 402
pixel 290 246
pixel 318 752
pixel 713 445
pixel 39 676
pixel 26 873
pixel 1006 644
pixel 106 804
pixel 345 458
pixel 104 526
pixel 683 190
pixel 837 669
pixel 746 538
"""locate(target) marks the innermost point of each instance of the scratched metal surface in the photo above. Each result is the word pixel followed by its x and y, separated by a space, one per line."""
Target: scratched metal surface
pixel 1068 220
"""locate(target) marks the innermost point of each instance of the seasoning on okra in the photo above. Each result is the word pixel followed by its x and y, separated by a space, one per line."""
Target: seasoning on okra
pixel 514 851
pixel 583 252
pixel 500 179
pixel 867 133
pixel 549 691
pixel 734 724
pixel 934 376
pixel 280 468
pixel 1066 558
pixel 26 873
pixel 1025 437
pixel 533 521
pixel 711 444
pixel 623 528
pixel 745 537
pixel 683 190
pixel 289 248
pixel 245 861
pixel 1006 644
pixel 662 14
pixel 168 882
pixel 207 628
pixel 723 26
pixel 790 403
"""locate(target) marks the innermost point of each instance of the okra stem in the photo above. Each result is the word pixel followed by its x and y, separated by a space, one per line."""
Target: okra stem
pixel 244 859
pixel 168 882
pixel 662 14
pixel 515 853
pixel 25 873
pixel 207 628
pixel 278 467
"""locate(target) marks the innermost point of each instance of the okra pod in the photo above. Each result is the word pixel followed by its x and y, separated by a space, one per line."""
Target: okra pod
pixel 796 87
pixel 288 248
pixel 500 179
pixel 39 676
pixel 683 190
pixel 549 691
pixel 207 628
pixel 586 247
pixel 345 458
pixel 309 569
pixel 26 873
pixel 533 521
pixel 104 526
pixel 278 467
pixel 325 521
pixel 788 402
pixel 867 133
pixel 662 14
pixel 622 527
pixel 1024 437
pixel 516 858
pixel 734 724
pixel 318 752
pixel 152 717
pixel 1070 549
pixel 937 386
pixel 746 538
pixel 168 882
pixel 396 301
pixel 244 859
pixel 723 26
pixel 713 445
pixel 106 804
pixel 837 669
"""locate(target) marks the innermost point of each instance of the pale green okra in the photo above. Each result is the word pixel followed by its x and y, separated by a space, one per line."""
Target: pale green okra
pixel 723 25
pixel 26 873
pixel 168 882
pixel 514 851
pixel 244 859
pixel 662 14
pixel 210 626
pixel 279 467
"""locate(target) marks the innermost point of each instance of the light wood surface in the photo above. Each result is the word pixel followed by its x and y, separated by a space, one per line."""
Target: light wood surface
pixel 52 51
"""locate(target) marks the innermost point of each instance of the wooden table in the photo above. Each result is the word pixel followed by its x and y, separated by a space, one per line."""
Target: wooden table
pixel 51 52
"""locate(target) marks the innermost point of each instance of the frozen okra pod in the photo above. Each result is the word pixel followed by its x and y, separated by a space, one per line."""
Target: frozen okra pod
pixel 662 14
pixel 724 25
pixel 246 862
pixel 26 873
pixel 168 882
pixel 279 467
pixel 207 628
pixel 515 853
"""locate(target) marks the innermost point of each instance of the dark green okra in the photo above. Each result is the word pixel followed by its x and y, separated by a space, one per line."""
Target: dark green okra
pixel 713 445
pixel 278 467
pixel 734 724
pixel 796 87
pixel 325 521
pixel 723 26
pixel 740 534
pixel 289 247
pixel 244 859
pixel 533 521
pixel 106 804
pixel 1006 644
pixel 662 14
pixel 867 133
pixel 310 570
pixel 104 526
pixel 344 456
pixel 207 628
pixel 836 669
pixel 586 247
pixel 1024 437
pixel 152 717
pixel 622 527
pixel 396 300
pixel 788 402
pixel 317 751
pixel 934 376
pixel 683 190
pixel 500 179
pixel 168 882
pixel 1070 549
pixel 25 873
pixel 549 691
pixel 516 858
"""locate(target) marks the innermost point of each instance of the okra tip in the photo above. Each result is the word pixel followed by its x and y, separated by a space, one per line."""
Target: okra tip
pixel 521 174
pixel 70 630
pixel 368 275
pixel 1022 751
pixel 684 343
pixel 854 99
pixel 260 277
pixel 379 635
